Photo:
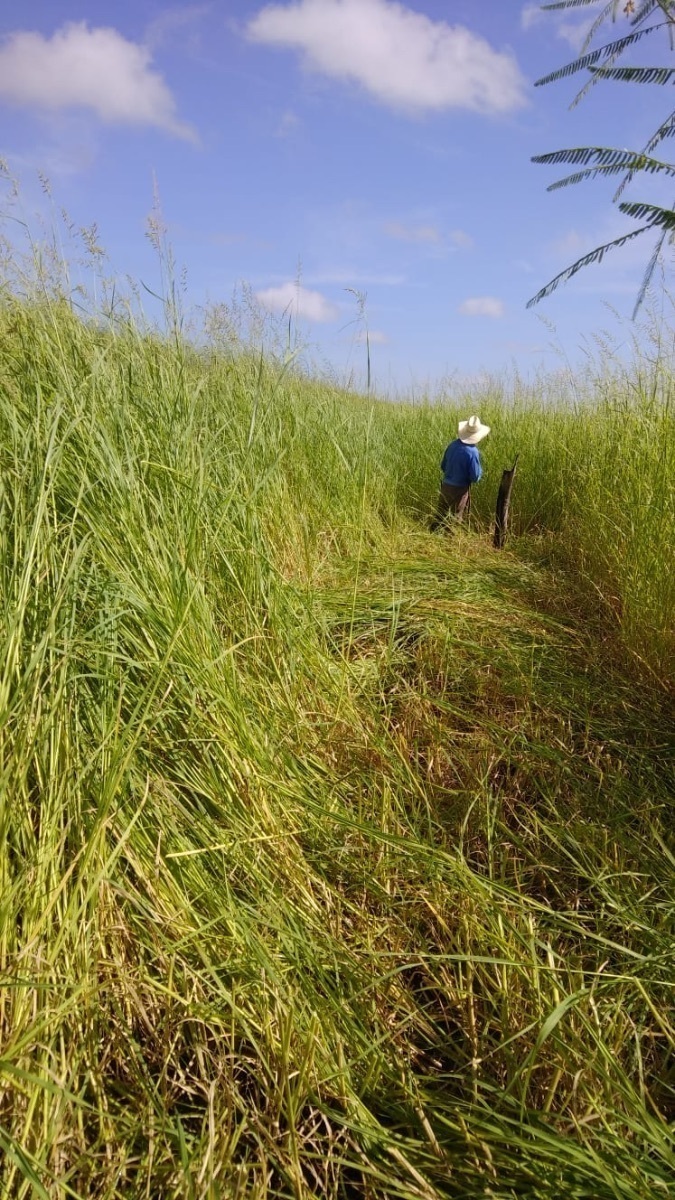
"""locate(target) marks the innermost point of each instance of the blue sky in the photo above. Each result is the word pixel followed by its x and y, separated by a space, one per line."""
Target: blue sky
pixel 314 146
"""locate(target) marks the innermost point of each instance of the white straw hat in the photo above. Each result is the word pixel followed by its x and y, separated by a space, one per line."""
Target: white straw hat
pixel 472 431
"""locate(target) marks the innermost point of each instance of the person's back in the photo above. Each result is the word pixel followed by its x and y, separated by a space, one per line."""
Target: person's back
pixel 461 466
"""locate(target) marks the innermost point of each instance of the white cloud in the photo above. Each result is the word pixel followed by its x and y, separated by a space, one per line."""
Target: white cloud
pixel 574 33
pixel 402 57
pixel 289 123
pixel 56 161
pixel 301 301
pixel 375 336
pixel 462 240
pixel 96 69
pixel 482 306
pixel 531 15
pixel 428 234
pixel 570 243
pixel 174 23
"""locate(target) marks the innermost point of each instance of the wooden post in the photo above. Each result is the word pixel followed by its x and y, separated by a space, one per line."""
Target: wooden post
pixel 503 502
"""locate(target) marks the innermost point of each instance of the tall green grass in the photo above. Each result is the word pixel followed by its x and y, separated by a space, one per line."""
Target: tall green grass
pixel 335 857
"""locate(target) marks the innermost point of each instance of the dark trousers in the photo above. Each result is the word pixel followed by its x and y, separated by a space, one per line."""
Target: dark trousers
pixel 455 500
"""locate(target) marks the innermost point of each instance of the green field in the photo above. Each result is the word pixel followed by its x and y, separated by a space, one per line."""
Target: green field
pixel 336 857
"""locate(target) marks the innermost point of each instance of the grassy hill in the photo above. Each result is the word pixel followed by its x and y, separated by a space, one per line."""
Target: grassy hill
pixel 336 857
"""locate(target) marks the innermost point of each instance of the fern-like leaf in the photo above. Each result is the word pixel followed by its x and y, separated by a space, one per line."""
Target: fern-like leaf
pixel 647 277
pixel 594 256
pixel 601 63
pixel 634 162
pixel 665 130
pixel 645 10
pixel 571 4
pixel 612 49
pixel 641 16
pixel 608 10
pixel 635 74
pixel 655 216
pixel 599 156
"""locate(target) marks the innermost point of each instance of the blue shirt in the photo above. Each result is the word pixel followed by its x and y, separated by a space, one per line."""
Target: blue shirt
pixel 461 464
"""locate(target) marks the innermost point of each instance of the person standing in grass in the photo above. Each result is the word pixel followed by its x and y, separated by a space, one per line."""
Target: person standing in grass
pixel 461 466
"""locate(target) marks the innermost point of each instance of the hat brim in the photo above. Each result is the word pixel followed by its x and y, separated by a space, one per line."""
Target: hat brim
pixel 474 438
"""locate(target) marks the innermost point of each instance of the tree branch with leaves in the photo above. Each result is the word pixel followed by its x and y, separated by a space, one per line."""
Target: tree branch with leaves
pixel 644 19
